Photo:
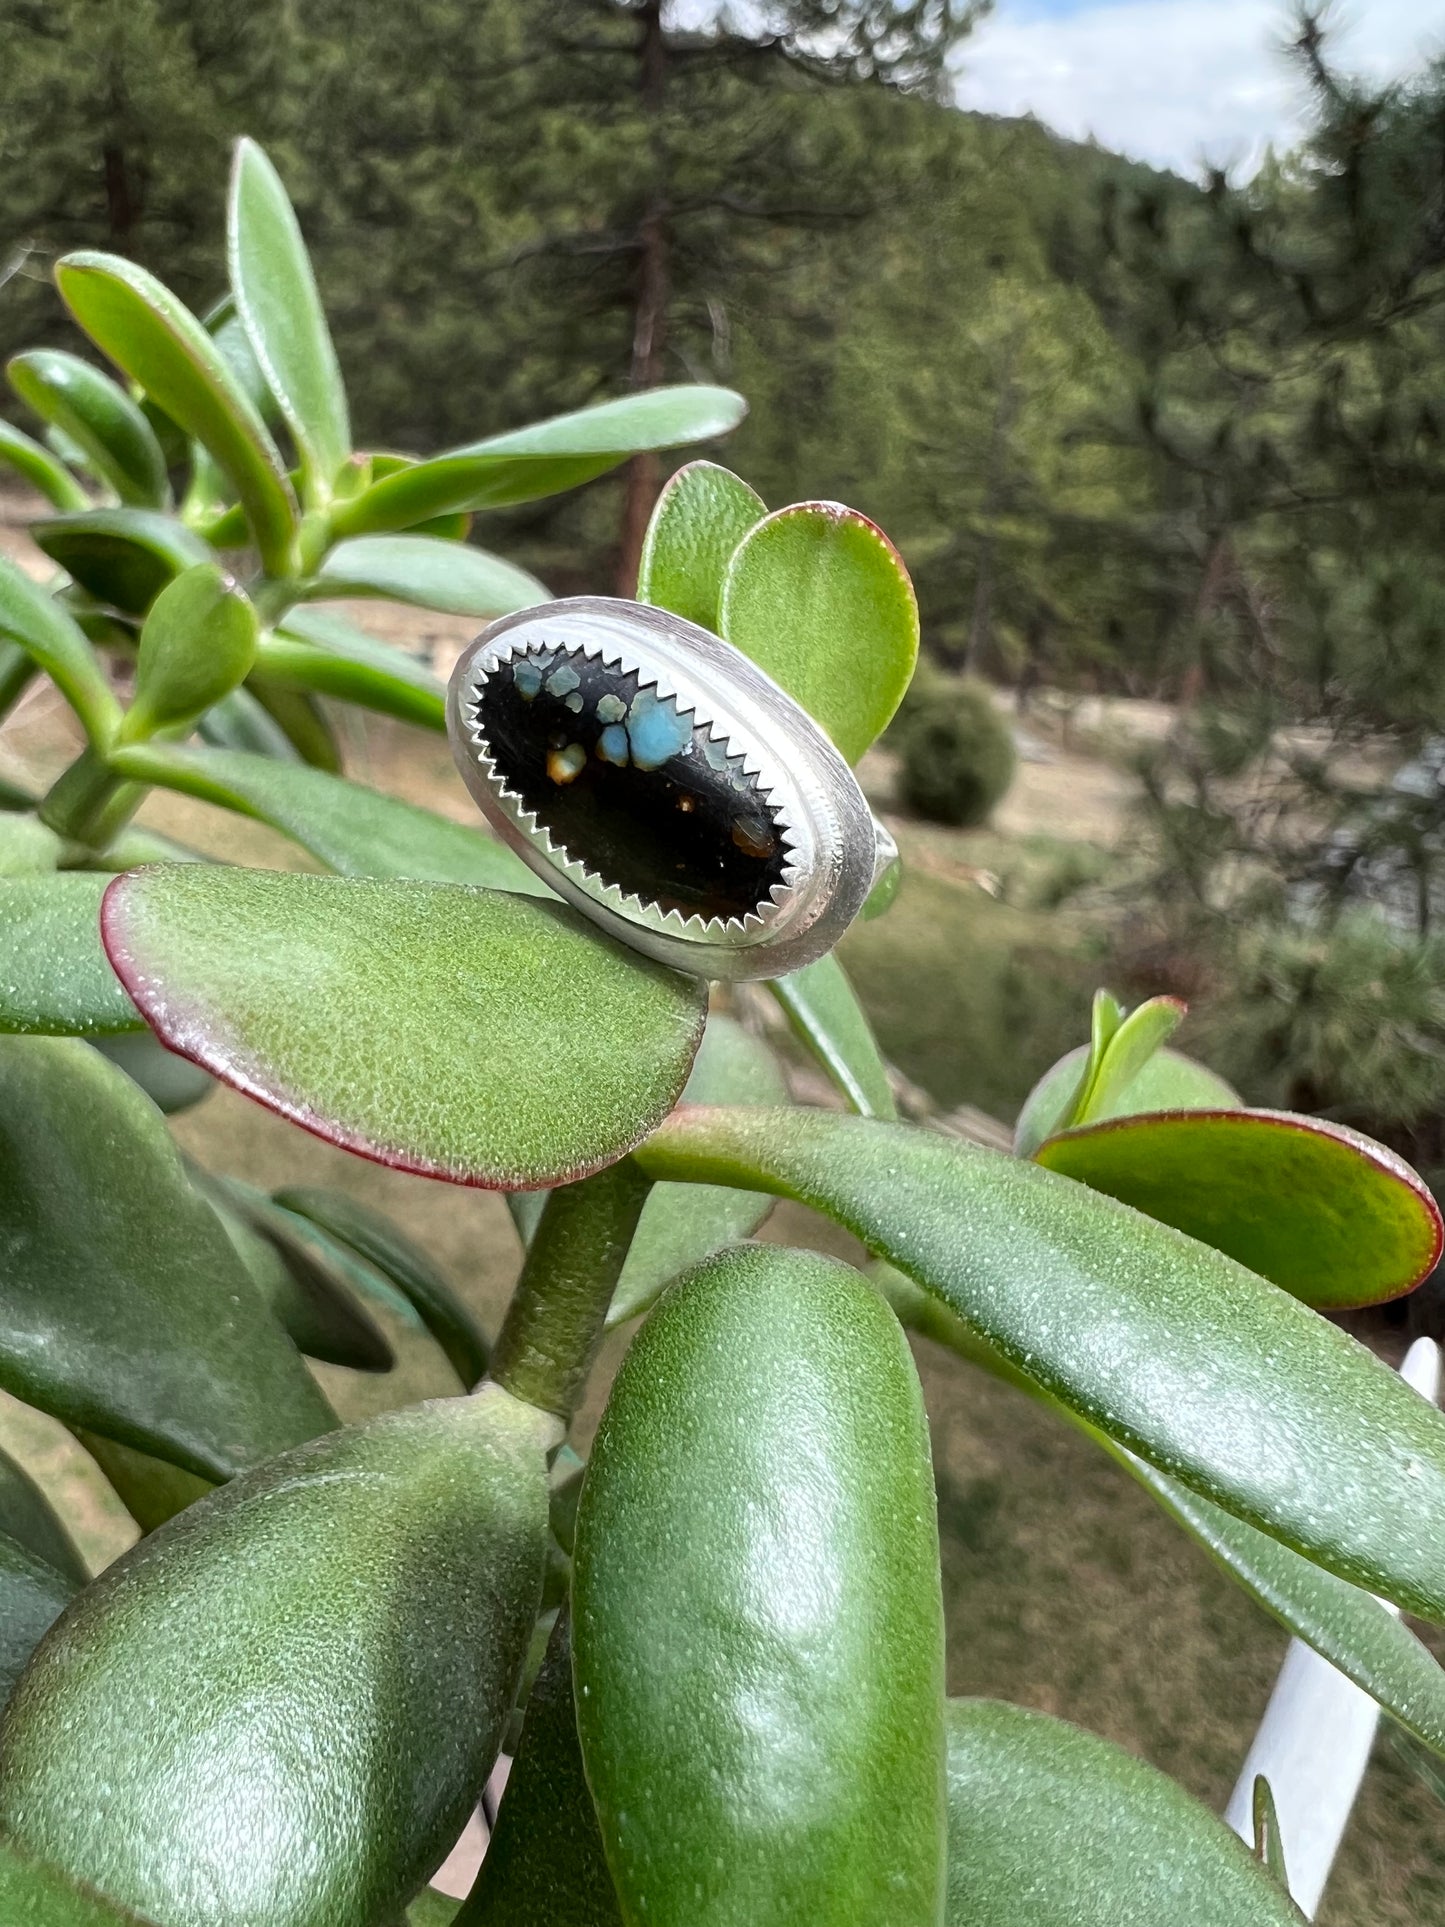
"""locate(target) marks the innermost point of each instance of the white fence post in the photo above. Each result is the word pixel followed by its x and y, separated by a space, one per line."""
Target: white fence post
pixel 1314 1741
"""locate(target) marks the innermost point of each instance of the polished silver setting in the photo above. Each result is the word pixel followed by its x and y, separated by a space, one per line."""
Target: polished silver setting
pixel 833 851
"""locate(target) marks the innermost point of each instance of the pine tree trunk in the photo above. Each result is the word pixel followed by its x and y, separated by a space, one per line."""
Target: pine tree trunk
pixel 123 190
pixel 653 289
pixel 980 628
pixel 1005 414
pixel 1212 585
pixel 120 201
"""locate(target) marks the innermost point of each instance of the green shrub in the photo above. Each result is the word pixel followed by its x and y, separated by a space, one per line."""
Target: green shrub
pixel 957 756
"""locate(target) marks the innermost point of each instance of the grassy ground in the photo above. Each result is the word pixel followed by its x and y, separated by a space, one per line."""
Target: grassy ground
pixel 1066 1589
pixel 975 994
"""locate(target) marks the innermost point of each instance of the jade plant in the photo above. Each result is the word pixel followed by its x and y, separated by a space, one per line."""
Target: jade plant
pixel 714 1650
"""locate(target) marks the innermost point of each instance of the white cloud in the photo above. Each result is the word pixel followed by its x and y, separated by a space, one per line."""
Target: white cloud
pixel 1177 82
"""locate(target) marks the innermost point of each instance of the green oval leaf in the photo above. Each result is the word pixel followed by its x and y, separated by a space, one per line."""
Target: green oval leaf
pixel 455 526
pixel 700 518
pixel 820 599
pixel 823 1009
pixel 239 722
pixel 123 557
pixel 349 828
pixel 757 1616
pixel 354 668
pixel 227 330
pixel 280 309
pixel 427 572
pixel 542 459
pixel 32 1895
pixel 377 1240
pixel 1106 1018
pixel 125 1310
pixel 198 642
pixel 1050 1827
pixel 100 416
pixel 33 1595
pixel 1347 1626
pixel 15 667
pixel 544 1863
pixel 150 1489
pixel 1170 1347
pixel 1268 1845
pixel 170 1083
pixel 159 343
pixel 1316 1208
pixel 301 719
pixel 432 1909
pixel 1169 1081
pixel 382 1583
pixel 51 638
pixel 40 468
pixel 26 1517
pixel 513 1046
pixel 309 1295
pixel 40 1571
pixel 682 1224
pixel 56 979
pixel 28 847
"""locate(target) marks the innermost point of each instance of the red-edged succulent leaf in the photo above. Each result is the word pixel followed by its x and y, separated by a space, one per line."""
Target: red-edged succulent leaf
pixel 819 597
pixel 1172 1348
pixel 700 518
pixel 1331 1216
pixel 465 1034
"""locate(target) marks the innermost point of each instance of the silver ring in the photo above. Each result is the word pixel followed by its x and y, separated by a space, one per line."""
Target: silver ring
pixel 659 780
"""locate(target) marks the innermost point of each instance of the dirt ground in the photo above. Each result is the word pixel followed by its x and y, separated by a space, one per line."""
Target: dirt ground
pixel 1066 1588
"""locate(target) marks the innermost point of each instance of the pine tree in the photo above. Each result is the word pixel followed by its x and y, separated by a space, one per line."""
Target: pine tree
pixel 1291 335
pixel 701 163
pixel 1293 338
pixel 115 121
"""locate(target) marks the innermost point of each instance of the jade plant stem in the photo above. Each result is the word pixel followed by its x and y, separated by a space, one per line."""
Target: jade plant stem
pixel 16 672
pixel 89 803
pixel 555 1321
pixel 272 596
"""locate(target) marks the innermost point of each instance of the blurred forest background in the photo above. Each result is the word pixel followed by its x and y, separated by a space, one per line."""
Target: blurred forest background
pixel 1136 435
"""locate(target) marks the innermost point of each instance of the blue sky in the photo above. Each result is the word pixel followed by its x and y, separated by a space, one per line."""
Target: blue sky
pixel 1177 82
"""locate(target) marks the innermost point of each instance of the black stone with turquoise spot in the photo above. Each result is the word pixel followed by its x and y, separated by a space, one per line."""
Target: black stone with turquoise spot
pixel 629 786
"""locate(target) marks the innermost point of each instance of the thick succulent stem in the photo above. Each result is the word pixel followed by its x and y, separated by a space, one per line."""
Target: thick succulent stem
pixel 555 1322
pixel 17 670
pixel 89 804
pixel 272 596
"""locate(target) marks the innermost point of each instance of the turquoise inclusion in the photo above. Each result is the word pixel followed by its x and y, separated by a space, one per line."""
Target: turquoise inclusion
pixel 656 730
pixel 612 745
